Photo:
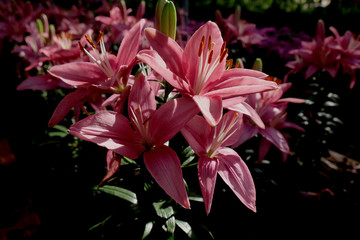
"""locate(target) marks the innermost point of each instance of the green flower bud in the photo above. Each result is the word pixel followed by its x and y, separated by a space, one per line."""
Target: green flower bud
pixel 258 65
pixel 158 12
pixel 168 20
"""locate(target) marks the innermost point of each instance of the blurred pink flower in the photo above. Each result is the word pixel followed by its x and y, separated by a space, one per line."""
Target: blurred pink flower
pixel 235 29
pixel 210 144
pixel 120 21
pixel 315 55
pixel 349 48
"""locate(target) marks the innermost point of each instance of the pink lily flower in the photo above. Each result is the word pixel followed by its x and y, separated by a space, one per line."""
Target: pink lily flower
pixel 272 111
pixel 199 71
pixel 107 74
pixel 349 48
pixel 120 21
pixel 315 55
pixel 235 29
pixel 210 144
pixel 148 130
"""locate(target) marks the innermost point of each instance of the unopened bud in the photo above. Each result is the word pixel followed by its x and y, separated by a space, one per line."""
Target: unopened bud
pixel 168 20
pixel 258 65
pixel 165 18
pixel 158 12
pixel 140 10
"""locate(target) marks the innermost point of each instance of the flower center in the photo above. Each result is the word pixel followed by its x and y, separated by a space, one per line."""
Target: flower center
pixel 141 125
pixel 222 134
pixel 64 40
pixel 102 60
pixel 206 63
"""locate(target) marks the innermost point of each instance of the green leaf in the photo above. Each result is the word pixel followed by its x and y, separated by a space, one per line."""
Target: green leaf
pixel 186 228
pixel 119 192
pixel 147 230
pixel 170 225
pixel 163 212
pixel 102 223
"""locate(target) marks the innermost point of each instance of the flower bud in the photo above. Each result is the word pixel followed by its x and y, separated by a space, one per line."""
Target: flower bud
pixel 158 11
pixel 165 18
pixel 168 20
pixel 140 10
pixel 258 65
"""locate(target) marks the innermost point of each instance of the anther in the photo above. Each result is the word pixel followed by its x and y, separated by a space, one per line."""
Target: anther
pixel 201 46
pixel 210 45
pixel 223 55
pixel 101 34
pixel 228 64
pixel 82 47
pixel 90 41
pixel 223 47
pixel 210 56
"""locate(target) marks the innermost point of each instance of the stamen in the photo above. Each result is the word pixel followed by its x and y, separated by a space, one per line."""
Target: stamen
pixel 90 41
pixel 210 45
pixel 237 65
pixel 223 54
pixel 101 34
pixel 273 79
pixel 223 46
pixel 201 47
pixel 228 64
pixel 82 47
pixel 210 56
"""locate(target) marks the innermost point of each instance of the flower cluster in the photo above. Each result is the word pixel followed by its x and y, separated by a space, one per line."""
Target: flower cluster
pixel 327 53
pixel 154 86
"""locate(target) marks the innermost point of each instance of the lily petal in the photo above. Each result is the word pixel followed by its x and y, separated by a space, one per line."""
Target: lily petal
pixel 41 82
pixel 111 130
pixel 77 97
pixel 249 111
pixel 167 48
pixel 210 107
pixel 153 59
pixel 164 165
pixel 130 45
pixel 78 73
pixel 196 132
pixel 275 137
pixel 142 98
pixel 235 173
pixel 207 172
pixel 170 118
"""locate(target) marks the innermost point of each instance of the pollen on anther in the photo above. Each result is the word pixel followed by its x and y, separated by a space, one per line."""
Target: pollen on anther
pixel 210 45
pixel 223 47
pixel 210 56
pixel 223 54
pixel 201 46
pixel 101 34
pixel 90 41
pixel 82 48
